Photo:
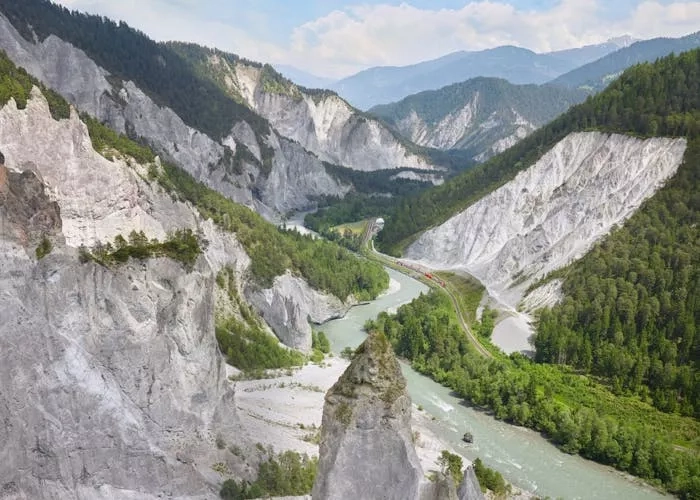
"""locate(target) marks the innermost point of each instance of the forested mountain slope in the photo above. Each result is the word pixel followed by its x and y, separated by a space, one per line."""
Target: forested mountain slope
pixel 485 116
pixel 627 311
pixel 598 74
pixel 647 100
pixel 631 305
pixel 630 309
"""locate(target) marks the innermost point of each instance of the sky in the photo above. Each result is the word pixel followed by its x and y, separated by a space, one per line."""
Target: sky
pixel 336 38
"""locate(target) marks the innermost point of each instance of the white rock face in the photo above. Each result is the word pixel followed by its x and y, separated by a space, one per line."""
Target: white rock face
pixel 73 74
pixel 113 384
pixel 444 134
pixel 553 212
pixel 290 304
pixel 327 126
pixel 108 377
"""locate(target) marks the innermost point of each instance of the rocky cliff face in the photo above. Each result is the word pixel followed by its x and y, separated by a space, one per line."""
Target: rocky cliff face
pixel 366 446
pixel 113 384
pixel 108 375
pixel 126 108
pixel 321 122
pixel 485 116
pixel 289 306
pixel 553 212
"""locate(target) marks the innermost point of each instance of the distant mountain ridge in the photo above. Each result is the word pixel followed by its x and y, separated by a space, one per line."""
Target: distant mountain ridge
pixel 483 115
pixel 598 74
pixel 381 85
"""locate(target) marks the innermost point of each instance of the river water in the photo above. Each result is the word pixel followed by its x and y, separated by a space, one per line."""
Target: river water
pixel 523 457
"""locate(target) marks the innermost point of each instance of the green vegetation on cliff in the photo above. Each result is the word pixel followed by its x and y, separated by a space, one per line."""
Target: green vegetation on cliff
pixel 16 83
pixel 182 246
pixel 242 337
pixel 577 413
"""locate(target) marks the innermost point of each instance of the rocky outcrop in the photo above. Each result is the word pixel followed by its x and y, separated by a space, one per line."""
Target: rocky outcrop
pixel 366 446
pixel 125 107
pixel 27 214
pixel 290 304
pixel 553 212
pixel 366 420
pixel 469 488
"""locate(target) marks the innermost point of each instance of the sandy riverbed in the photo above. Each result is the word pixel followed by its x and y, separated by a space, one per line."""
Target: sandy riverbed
pixel 285 412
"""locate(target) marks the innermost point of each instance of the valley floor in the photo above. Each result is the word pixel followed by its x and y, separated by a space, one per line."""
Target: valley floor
pixel 285 412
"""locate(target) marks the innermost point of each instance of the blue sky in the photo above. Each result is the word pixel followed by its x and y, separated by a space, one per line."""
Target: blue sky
pixel 336 38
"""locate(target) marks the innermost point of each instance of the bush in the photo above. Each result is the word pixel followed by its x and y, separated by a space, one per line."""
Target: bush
pixel 320 341
pixel 44 248
pixel 451 464
pixel 490 479
pixel 287 474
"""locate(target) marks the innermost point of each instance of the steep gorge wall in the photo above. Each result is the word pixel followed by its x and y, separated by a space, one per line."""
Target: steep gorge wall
pixel 125 107
pixel 553 212
pixel 113 384
pixel 324 124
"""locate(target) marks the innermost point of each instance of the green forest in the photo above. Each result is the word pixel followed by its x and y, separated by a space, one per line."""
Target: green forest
pixel 647 100
pixel 631 306
pixel 577 413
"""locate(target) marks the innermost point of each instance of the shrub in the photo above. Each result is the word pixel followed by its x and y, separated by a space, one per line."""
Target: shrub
pixel 44 248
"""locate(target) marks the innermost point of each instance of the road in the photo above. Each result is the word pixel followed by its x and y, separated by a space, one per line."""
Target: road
pixel 419 273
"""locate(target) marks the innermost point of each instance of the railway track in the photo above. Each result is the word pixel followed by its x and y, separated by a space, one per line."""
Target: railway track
pixel 426 276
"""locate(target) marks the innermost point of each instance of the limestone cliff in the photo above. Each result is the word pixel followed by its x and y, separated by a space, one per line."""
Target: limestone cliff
pixel 553 212
pixel 320 121
pixel 113 384
pixel 277 168
pixel 366 446
pixel 108 375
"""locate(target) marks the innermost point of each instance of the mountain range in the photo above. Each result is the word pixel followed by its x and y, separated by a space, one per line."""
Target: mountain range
pixel 484 116
pixel 381 85
pixel 597 74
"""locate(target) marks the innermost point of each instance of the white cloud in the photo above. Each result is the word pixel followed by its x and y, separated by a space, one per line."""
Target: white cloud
pixel 359 36
pixel 343 42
